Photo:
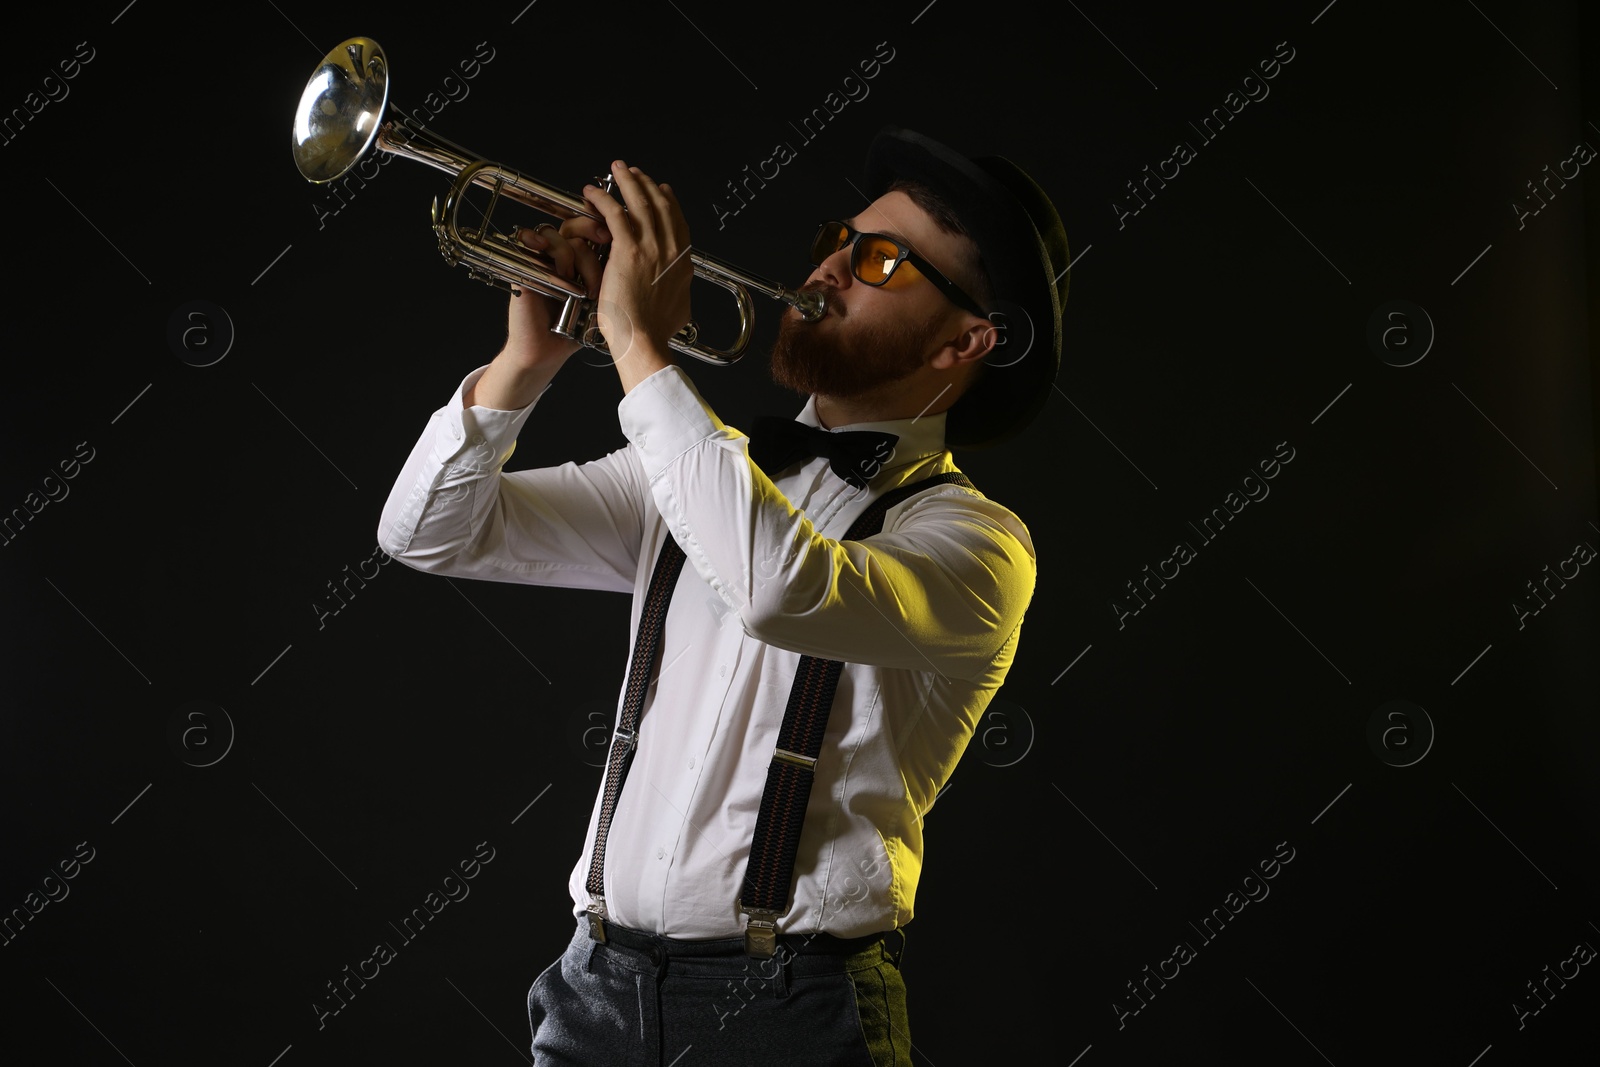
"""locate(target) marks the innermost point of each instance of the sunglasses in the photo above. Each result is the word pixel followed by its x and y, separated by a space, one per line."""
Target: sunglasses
pixel 875 257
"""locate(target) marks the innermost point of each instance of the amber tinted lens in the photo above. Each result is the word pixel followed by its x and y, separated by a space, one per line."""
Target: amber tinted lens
pixel 831 237
pixel 874 259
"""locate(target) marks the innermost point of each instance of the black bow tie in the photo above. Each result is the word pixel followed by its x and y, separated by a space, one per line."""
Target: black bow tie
pixel 854 455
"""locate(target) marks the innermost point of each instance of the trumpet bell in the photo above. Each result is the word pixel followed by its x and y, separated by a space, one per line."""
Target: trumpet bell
pixel 340 110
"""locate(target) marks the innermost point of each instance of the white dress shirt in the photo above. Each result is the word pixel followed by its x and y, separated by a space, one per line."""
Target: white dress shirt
pixel 925 616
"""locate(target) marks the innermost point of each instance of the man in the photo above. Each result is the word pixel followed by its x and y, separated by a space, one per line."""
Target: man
pixel 745 881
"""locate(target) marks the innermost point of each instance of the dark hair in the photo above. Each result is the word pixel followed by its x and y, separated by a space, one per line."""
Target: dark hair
pixel 972 277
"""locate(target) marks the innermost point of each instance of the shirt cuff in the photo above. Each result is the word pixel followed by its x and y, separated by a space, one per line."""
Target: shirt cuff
pixel 476 435
pixel 664 416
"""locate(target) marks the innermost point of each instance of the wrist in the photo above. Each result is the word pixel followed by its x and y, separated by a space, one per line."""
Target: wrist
pixel 644 358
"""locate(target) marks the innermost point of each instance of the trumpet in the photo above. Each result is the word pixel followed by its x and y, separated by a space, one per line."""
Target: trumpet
pixel 341 119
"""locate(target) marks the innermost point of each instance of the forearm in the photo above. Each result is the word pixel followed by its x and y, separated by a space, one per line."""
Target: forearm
pixel 454 510
pixel 511 383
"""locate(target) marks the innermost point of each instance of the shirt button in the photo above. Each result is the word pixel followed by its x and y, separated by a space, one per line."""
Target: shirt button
pixel 691 763
pixel 722 671
pixel 661 853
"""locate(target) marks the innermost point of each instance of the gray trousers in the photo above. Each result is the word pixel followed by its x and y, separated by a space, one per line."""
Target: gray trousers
pixel 639 1000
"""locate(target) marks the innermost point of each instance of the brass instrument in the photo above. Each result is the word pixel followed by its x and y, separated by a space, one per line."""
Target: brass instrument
pixel 341 117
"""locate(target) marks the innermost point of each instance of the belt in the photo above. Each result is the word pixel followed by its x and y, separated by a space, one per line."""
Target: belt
pixel 658 947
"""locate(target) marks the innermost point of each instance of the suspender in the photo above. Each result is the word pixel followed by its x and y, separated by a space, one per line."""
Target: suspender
pixel 769 874
pixel 646 648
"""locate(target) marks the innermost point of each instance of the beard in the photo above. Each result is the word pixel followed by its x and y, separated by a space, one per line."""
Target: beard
pixel 851 361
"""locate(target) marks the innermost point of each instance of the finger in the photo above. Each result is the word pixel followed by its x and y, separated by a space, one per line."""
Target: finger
pixel 549 241
pixel 652 190
pixel 669 226
pixel 680 221
pixel 616 218
pixel 630 185
pixel 672 224
pixel 588 260
pixel 528 237
pixel 587 237
pixel 586 228
pixel 660 206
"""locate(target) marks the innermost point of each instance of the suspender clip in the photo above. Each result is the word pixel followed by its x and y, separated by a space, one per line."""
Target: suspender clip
pixel 597 920
pixel 805 763
pixel 760 932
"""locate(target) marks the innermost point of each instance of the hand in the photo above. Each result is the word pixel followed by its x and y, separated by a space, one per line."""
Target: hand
pixel 572 254
pixel 644 293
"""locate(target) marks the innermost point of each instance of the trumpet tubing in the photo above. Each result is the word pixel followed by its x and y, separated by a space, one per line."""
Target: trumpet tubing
pixel 341 118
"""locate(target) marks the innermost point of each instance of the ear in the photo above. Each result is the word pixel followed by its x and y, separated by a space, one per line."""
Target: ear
pixel 1011 332
pixel 973 339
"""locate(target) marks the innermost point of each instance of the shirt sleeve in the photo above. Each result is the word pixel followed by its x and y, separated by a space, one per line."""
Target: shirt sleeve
pixel 944 591
pixel 454 511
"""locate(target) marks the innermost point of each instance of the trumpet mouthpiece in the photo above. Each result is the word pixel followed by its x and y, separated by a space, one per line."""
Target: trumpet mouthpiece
pixel 811 304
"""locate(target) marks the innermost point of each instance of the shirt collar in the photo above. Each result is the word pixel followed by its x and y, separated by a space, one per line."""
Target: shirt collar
pixel 920 436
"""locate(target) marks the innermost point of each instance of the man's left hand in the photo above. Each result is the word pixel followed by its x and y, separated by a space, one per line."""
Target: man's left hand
pixel 644 291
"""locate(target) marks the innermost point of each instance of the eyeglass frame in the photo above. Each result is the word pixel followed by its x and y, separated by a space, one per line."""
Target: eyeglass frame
pixel 905 254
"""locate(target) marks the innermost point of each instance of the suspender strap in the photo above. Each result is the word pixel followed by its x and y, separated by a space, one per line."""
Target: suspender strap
pixel 646 650
pixel 769 874
pixel 770 871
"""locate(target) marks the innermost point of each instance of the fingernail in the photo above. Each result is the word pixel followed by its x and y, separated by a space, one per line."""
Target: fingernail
pixel 617 164
pixel 605 234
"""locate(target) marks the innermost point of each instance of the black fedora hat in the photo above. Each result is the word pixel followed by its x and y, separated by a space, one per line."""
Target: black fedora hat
pixel 1024 250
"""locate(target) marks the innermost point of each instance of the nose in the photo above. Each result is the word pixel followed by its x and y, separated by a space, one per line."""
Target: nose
pixel 835 270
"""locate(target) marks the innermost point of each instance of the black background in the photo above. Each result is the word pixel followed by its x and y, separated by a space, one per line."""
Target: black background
pixel 1102 810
